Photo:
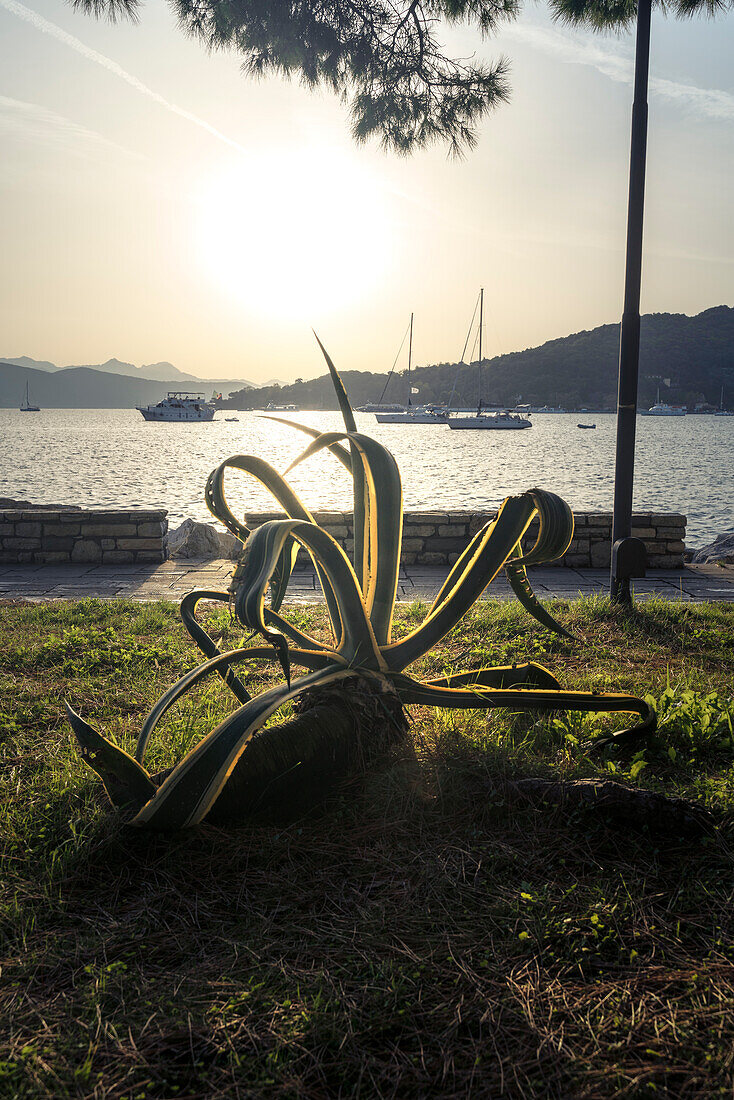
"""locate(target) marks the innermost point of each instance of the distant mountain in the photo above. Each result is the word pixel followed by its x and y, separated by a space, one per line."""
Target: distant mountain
pixel 66 394
pixel 160 372
pixel 34 364
pixel 164 372
pixel 688 358
pixel 88 388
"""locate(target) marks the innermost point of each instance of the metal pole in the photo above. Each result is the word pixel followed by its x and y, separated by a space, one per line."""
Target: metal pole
pixel 479 375
pixel 629 343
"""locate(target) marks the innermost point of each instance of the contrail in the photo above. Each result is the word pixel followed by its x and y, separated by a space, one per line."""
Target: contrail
pixel 111 66
pixel 31 122
pixel 618 66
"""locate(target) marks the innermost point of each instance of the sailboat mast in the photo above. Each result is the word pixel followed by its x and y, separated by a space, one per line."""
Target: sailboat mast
pixel 481 318
pixel 410 359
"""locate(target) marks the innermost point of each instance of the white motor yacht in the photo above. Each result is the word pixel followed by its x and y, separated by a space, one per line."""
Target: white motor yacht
pixel 661 409
pixel 178 406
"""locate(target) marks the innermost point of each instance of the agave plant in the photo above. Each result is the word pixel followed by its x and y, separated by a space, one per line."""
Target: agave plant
pixel 360 597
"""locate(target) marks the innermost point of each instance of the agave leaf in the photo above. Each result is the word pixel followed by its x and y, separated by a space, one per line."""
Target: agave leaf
pixel 126 782
pixel 460 565
pixel 289 501
pixel 555 533
pixel 555 528
pixel 527 675
pixel 520 584
pixel 205 643
pixel 266 474
pixel 358 644
pixel 310 659
pixel 340 452
pixel 188 793
pixel 383 524
pixel 474 570
pixel 363 550
pixel 341 394
pixel 412 691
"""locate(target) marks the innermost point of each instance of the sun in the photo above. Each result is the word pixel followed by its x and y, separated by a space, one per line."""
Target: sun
pixel 295 234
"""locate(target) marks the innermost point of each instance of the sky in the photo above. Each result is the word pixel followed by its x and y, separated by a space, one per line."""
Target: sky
pixel 157 205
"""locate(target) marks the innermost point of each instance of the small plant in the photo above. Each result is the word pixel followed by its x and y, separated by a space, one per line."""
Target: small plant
pixel 362 658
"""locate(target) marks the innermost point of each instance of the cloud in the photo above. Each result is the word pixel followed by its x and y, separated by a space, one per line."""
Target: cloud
pixel 32 123
pixel 618 65
pixel 111 66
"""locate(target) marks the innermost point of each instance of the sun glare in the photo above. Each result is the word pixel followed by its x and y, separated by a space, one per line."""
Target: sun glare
pixel 296 235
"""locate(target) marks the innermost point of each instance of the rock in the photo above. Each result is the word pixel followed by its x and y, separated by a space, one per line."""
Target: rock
pixel 721 549
pixel 203 541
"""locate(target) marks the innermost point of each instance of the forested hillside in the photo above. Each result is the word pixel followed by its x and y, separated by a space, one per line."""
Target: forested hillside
pixel 689 358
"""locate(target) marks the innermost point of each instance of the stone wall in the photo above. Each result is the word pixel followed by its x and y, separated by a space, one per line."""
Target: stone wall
pixel 80 535
pixel 437 538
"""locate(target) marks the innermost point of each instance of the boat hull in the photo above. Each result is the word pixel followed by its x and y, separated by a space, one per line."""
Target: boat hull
pixel 177 415
pixel 409 418
pixel 487 423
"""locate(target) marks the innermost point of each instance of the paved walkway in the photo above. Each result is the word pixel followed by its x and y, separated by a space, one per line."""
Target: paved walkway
pixel 169 581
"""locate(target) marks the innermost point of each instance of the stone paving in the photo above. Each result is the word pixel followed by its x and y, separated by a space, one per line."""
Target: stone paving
pixel 172 579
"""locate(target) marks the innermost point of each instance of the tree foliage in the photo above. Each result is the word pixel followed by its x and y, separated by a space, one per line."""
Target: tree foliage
pixel 602 15
pixel 383 58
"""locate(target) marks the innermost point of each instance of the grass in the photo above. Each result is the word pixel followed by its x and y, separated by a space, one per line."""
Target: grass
pixel 419 935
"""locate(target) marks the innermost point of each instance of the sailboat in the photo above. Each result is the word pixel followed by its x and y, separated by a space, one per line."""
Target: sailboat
pixel 487 421
pixel 25 405
pixel 424 414
pixel 721 411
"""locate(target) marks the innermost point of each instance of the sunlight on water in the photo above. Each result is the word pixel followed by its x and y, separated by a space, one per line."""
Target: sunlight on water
pixel 112 458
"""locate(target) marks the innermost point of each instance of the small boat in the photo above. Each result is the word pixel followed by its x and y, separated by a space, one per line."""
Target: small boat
pixel 232 419
pixel 414 414
pixel 272 407
pixel 487 421
pixel 25 405
pixel 586 425
pixel 374 407
pixel 661 409
pixel 179 405
pixel 410 414
pixel 721 411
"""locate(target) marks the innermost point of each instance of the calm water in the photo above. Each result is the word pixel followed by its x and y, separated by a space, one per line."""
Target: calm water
pixel 111 457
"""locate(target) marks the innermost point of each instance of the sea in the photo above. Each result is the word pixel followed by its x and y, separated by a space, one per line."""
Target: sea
pixel 110 458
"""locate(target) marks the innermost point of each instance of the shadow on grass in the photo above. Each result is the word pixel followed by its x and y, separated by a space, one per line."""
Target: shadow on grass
pixel 416 934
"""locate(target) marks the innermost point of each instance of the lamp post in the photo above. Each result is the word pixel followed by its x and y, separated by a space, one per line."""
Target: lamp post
pixel 629 342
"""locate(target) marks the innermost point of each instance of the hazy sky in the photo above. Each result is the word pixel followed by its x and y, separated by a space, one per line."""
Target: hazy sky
pixel 157 205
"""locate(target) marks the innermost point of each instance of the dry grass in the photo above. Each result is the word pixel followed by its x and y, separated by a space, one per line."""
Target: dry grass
pixel 417 936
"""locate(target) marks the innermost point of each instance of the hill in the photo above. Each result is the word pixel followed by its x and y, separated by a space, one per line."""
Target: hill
pixel 88 388
pixel 98 387
pixel 689 358
pixel 34 364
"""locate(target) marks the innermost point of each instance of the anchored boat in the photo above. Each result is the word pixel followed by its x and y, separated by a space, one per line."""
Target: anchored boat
pixel 661 409
pixel 179 405
pixel 25 405
pixel 487 421
pixel 413 414
pixel 490 421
